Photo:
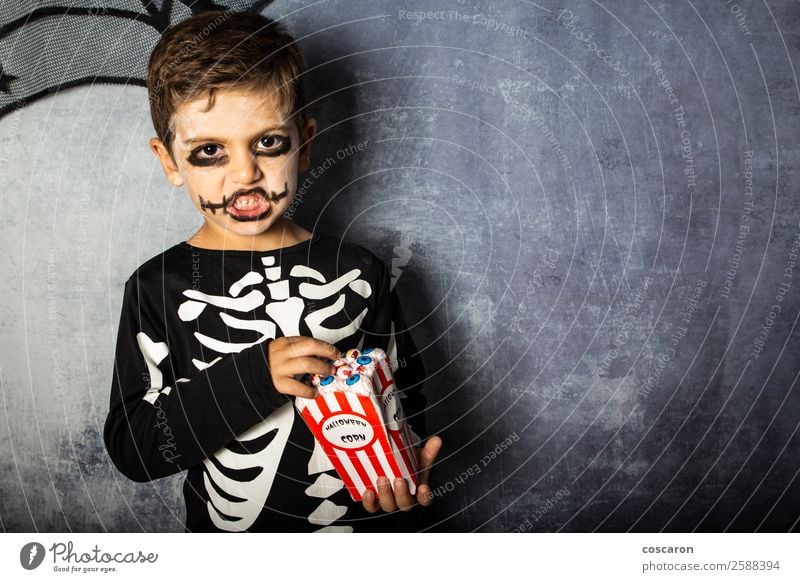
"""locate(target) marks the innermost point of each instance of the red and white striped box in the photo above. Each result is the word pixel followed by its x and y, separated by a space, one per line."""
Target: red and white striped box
pixel 364 436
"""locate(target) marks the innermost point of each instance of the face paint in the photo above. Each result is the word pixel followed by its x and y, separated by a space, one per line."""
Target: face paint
pixel 279 146
pixel 202 162
pixel 270 146
pixel 246 205
pixel 241 147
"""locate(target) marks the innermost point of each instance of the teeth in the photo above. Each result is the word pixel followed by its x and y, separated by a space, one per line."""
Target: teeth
pixel 246 202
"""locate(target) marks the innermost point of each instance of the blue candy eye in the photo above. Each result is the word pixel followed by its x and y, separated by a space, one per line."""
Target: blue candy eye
pixel 364 360
pixel 366 351
pixel 326 380
pixel 352 380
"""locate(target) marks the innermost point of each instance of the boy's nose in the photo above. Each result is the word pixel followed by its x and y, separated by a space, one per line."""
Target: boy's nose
pixel 244 169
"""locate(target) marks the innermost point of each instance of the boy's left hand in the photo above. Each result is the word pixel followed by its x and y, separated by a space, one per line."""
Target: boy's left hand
pixel 401 498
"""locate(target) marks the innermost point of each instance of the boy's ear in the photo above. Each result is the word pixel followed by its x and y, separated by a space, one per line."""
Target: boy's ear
pixel 167 163
pixel 304 157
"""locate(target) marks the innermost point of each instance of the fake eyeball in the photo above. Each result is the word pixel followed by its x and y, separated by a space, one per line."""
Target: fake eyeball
pixel 343 373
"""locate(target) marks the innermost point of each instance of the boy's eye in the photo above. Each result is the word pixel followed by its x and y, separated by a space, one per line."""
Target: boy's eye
pixel 206 155
pixel 269 141
pixel 274 145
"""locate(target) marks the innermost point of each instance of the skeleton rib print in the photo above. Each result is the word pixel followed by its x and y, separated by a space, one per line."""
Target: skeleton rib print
pixel 238 483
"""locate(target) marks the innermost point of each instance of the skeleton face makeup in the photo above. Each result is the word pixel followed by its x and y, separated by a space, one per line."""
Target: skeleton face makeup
pixel 246 205
pixel 239 161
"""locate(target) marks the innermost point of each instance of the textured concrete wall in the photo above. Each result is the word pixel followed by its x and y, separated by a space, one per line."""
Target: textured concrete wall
pixel 606 307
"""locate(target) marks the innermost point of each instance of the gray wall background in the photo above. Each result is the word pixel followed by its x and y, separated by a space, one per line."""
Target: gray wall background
pixel 584 275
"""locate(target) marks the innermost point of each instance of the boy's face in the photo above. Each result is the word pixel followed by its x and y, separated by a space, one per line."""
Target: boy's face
pixel 239 161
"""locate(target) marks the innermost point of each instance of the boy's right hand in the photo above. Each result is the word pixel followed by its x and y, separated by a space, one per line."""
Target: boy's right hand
pixel 297 355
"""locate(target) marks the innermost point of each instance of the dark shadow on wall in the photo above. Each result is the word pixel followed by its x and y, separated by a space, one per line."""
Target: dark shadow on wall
pixel 334 90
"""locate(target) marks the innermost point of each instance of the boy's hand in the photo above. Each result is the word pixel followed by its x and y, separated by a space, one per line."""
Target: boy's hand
pixel 297 355
pixel 401 498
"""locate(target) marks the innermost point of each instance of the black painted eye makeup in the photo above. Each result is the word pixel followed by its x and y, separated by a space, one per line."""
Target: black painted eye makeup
pixel 273 145
pixel 204 156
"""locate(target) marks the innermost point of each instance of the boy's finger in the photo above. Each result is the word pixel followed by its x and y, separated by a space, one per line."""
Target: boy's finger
pixel 402 496
pixel 424 495
pixel 309 346
pixel 295 388
pixel 309 365
pixel 369 501
pixel 427 456
pixel 385 495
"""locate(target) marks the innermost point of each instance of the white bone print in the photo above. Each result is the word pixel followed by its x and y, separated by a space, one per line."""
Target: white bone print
pixel 270 296
pixel 253 493
pixel 153 354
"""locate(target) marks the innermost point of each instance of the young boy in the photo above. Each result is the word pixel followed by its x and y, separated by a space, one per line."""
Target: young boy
pixel 215 330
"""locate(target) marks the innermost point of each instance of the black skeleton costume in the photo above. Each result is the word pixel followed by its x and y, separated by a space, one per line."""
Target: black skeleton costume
pixel 191 389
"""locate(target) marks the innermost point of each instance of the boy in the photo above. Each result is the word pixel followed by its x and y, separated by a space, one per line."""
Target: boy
pixel 215 330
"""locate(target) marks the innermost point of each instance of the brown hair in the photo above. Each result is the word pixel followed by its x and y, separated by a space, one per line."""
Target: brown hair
pixel 223 50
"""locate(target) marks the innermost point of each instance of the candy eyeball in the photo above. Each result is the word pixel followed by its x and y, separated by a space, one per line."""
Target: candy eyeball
pixel 344 372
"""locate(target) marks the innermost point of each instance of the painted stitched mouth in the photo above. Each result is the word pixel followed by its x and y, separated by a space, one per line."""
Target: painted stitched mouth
pixel 247 204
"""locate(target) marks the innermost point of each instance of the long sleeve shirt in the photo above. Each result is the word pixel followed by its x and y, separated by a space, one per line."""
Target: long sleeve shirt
pixel 191 389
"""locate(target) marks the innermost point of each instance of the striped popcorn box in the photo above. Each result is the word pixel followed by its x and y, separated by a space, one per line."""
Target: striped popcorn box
pixel 380 371
pixel 359 424
pixel 350 430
